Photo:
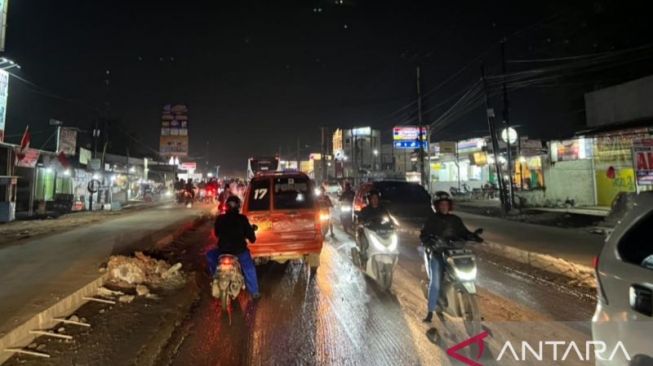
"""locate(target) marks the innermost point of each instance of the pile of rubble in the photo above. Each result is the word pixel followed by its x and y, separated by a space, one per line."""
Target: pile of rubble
pixel 141 271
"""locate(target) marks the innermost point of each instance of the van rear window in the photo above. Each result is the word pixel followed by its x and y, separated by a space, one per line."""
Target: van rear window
pixel 259 195
pixel 292 193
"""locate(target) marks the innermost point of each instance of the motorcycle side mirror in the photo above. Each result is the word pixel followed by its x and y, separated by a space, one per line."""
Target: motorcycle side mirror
pixel 255 227
pixel 478 231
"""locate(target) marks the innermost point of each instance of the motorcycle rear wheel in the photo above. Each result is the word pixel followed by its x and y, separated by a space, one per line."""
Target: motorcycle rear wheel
pixel 225 300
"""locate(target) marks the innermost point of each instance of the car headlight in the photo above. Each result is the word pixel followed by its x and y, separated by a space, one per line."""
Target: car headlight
pixel 345 208
pixel 469 275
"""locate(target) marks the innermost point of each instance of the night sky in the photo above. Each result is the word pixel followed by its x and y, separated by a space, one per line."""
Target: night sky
pixel 256 75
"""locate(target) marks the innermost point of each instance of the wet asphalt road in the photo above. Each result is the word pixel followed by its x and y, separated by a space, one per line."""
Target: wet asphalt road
pixel 339 316
pixel 336 317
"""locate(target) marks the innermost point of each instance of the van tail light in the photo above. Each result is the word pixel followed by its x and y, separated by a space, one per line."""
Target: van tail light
pixel 599 286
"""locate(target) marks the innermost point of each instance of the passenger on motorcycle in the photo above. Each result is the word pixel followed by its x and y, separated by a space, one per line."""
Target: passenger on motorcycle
pixel 448 227
pixel 371 213
pixel 233 230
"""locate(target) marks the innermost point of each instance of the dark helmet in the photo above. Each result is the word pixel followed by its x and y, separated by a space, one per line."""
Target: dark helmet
pixel 442 196
pixel 233 203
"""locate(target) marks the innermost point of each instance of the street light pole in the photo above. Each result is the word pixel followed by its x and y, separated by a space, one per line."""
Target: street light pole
pixel 506 121
pixel 420 127
pixel 495 142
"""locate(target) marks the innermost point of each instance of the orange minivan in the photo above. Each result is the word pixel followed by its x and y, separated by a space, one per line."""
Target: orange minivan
pixel 284 207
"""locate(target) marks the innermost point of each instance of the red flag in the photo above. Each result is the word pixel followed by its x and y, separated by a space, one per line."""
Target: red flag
pixel 25 140
pixel 63 160
pixel 24 144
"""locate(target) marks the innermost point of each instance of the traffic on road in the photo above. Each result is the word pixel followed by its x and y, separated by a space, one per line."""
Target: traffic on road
pixel 326 182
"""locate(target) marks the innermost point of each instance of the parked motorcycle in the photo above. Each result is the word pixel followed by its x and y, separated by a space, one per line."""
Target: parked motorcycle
pixel 377 250
pixel 458 288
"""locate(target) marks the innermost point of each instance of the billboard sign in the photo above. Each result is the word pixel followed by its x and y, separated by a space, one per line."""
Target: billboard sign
pixel 67 141
pixel 29 158
pixel 410 144
pixel 174 131
pixel 85 155
pixel 4 5
pixel 188 166
pixel 643 160
pixel 408 133
pixel 407 137
pixel 4 89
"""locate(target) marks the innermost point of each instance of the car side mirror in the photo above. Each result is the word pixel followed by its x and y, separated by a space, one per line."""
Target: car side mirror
pixel 255 227
pixel 478 231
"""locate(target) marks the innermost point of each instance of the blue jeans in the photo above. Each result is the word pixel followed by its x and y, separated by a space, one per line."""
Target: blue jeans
pixel 246 264
pixel 434 271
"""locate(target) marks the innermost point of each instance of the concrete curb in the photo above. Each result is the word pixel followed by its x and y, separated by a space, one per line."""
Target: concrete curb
pixel 20 336
pixel 577 273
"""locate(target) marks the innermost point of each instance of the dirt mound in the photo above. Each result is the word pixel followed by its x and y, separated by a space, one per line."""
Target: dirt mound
pixel 143 270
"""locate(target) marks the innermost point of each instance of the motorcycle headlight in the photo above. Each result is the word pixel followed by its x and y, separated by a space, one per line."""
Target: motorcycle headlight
pixel 469 275
pixel 324 217
pixel 345 208
pixel 394 242
pixel 377 243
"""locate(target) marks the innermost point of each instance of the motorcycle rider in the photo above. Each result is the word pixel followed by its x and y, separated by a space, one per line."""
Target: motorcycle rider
pixel 446 226
pixel 190 188
pixel 347 195
pixel 233 230
pixel 373 212
pixel 325 205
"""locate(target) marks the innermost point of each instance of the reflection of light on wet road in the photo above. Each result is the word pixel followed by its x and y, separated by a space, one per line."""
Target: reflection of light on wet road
pixel 337 317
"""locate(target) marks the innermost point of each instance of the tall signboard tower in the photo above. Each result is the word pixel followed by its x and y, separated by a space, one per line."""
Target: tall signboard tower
pixel 174 131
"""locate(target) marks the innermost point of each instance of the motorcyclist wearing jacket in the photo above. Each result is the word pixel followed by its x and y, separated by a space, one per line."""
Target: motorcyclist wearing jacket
pixel 233 230
pixel 372 213
pixel 443 225
pixel 347 195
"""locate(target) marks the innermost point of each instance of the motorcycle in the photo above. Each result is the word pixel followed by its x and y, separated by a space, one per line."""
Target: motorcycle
pixel 188 199
pixel 377 250
pixel 346 216
pixel 458 288
pixel 228 280
pixel 325 221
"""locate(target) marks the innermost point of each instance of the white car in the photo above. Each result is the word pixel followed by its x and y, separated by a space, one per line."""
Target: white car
pixel 624 272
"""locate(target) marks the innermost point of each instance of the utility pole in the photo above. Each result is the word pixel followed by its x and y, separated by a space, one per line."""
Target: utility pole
pixel 298 158
pixel 493 136
pixel 506 124
pixel 323 156
pixel 420 126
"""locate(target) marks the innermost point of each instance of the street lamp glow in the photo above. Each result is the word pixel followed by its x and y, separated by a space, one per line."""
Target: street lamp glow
pixel 66 172
pixel 132 169
pixel 210 175
pixel 376 152
pixel 48 169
